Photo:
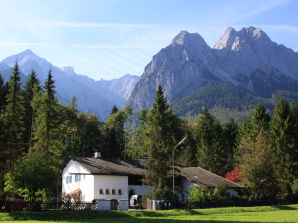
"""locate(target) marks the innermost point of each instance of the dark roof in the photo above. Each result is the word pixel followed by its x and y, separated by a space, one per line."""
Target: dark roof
pixel 205 178
pixel 198 175
pixel 100 166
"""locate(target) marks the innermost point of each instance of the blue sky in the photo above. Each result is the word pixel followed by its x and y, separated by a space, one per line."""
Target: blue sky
pixel 107 39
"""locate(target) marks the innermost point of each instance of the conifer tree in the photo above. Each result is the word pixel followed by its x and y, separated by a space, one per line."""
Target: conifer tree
pixel 13 117
pixel 48 135
pixel 12 120
pixel 31 86
pixel 3 92
pixel 230 137
pixel 211 154
pixel 284 143
pixel 160 140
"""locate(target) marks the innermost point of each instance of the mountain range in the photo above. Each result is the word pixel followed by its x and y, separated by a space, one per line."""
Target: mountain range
pixel 97 97
pixel 243 68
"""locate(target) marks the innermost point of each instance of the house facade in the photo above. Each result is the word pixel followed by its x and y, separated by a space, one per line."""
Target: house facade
pixel 112 182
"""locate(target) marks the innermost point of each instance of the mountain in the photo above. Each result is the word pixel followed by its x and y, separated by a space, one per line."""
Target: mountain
pixel 243 68
pixel 122 86
pixel 92 96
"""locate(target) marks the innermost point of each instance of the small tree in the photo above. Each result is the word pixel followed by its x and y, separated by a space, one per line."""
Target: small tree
pixel 32 175
pixel 257 169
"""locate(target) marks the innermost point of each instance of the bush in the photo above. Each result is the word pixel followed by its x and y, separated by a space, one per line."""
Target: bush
pixel 199 195
pixel 294 188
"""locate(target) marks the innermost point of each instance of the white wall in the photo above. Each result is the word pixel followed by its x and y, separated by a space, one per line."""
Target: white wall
pixel 110 182
pixel 85 184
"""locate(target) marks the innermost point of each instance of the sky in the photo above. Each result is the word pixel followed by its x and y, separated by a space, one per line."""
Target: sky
pixel 106 39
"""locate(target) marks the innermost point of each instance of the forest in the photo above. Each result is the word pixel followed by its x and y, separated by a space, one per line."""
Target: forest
pixel 38 136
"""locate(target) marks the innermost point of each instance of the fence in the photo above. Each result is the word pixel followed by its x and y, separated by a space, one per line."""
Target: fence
pixel 11 206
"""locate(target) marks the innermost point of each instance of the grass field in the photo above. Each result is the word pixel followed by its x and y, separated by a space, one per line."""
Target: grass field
pixel 282 213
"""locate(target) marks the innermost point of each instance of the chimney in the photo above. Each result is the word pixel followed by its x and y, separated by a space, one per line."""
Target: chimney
pixel 97 155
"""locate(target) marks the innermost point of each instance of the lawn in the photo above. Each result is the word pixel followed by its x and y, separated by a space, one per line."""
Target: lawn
pixel 282 213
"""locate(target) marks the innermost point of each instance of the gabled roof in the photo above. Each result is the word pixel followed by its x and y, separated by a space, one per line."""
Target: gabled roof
pixel 198 175
pixel 101 166
pixel 205 178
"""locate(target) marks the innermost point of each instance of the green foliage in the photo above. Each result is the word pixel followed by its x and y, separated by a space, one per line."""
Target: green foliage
pixel 114 133
pixel 294 187
pixel 203 194
pixel 11 124
pixel 257 168
pixel 161 131
pixel 284 144
pixel 31 86
pixel 220 94
pixel 33 176
pixel 47 129
pixel 211 154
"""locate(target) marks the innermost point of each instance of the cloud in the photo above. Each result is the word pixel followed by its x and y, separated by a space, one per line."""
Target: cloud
pixel 95 25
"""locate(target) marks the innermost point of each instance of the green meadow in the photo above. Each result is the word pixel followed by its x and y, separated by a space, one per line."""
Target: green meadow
pixel 282 213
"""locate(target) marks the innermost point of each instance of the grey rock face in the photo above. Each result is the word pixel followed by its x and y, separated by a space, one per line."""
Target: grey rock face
pixel 246 58
pixel 122 86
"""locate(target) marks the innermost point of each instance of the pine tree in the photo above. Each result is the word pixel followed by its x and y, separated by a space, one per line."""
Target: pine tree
pixel 114 133
pixel 12 121
pixel 3 93
pixel 211 154
pixel 260 119
pixel 160 140
pixel 48 136
pixel 31 86
pixel 114 110
pixel 230 137
pixel 284 143
pixel 14 117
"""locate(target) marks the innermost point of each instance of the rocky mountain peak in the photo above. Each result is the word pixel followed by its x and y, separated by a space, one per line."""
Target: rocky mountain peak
pixel 188 39
pixel 234 40
pixel 23 58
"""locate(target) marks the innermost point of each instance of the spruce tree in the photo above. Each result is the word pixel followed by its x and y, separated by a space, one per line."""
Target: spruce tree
pixel 211 154
pixel 31 86
pixel 3 93
pixel 12 121
pixel 48 135
pixel 230 137
pixel 160 140
pixel 13 117
pixel 284 143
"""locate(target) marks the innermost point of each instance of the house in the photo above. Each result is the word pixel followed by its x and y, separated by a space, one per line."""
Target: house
pixel 112 182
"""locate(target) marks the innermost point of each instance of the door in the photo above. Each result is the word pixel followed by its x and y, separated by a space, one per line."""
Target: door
pixel 114 204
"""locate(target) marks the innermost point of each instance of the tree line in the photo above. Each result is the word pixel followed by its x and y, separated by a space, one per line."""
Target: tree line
pixel 38 135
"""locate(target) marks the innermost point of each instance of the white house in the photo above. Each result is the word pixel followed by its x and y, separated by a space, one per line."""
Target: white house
pixel 104 180
pixel 112 182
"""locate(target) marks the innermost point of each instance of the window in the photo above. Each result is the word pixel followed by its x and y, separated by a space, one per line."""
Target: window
pixel 107 191
pixel 119 191
pixel 69 179
pixel 77 178
pixel 100 191
pixel 113 191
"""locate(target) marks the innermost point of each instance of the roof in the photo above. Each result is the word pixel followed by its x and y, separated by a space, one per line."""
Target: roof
pixel 198 175
pixel 205 178
pixel 101 166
